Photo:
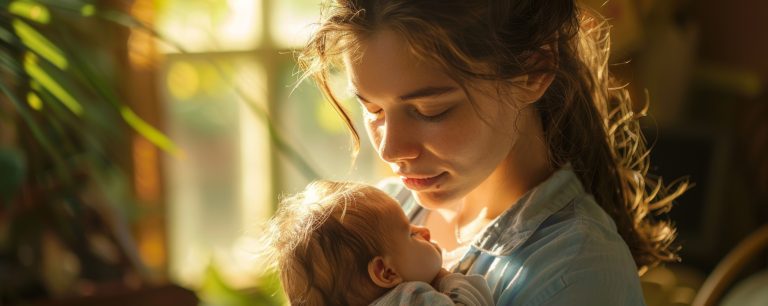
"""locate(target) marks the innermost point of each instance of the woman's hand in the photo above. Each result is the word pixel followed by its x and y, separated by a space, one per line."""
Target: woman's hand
pixel 440 274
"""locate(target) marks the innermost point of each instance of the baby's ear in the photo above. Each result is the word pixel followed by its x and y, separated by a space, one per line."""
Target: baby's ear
pixel 382 274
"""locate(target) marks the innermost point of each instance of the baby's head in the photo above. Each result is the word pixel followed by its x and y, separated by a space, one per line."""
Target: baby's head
pixel 347 244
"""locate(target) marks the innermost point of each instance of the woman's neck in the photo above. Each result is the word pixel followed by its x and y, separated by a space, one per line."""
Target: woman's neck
pixel 525 167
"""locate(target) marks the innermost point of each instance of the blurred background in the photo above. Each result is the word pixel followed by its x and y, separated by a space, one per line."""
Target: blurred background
pixel 142 142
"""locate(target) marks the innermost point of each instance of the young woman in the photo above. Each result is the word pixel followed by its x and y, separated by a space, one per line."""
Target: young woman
pixel 512 143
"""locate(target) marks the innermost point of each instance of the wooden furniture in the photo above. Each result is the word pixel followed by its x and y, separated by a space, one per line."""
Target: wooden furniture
pixel 726 271
pixel 168 295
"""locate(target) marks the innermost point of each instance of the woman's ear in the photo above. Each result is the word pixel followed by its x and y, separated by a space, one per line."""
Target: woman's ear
pixel 533 85
pixel 382 274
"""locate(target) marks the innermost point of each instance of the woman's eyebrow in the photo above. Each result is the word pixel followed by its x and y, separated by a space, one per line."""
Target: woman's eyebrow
pixel 421 93
pixel 428 92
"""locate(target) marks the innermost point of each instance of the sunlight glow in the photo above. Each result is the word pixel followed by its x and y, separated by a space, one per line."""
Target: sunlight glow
pixel 254 148
pixel 183 80
pixel 292 21
pixel 203 26
pixel 141 49
pixel 242 24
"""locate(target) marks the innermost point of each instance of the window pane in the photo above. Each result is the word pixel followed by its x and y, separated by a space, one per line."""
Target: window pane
pixel 292 21
pixel 204 25
pixel 320 135
pixel 222 183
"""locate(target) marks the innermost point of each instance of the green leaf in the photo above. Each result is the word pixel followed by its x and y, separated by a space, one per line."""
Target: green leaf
pixel 41 45
pixel 37 132
pixel 150 133
pixel 30 10
pixel 10 63
pixel 73 6
pixel 14 170
pixel 82 70
pixel 129 21
pixel 45 80
pixel 55 111
pixel 7 36
pixel 88 10
pixel 216 291
pixel 34 101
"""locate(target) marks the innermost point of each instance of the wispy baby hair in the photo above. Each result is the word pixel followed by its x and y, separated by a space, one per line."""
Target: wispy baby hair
pixel 321 240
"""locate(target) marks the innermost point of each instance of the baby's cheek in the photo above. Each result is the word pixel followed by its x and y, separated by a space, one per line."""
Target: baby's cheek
pixel 437 264
pixel 428 266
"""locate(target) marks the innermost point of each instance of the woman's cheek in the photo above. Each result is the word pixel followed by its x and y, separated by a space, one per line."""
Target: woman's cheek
pixel 455 138
pixel 372 129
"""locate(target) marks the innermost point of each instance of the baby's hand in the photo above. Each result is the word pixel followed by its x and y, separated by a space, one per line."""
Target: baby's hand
pixel 442 273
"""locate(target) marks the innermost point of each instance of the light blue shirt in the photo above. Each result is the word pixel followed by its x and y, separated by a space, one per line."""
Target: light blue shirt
pixel 455 289
pixel 555 246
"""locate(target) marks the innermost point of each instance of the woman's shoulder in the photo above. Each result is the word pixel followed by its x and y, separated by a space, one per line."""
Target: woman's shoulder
pixel 577 251
pixel 583 220
pixel 558 211
pixel 583 235
pixel 573 251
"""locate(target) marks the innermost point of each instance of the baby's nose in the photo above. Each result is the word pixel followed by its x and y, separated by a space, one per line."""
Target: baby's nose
pixel 424 232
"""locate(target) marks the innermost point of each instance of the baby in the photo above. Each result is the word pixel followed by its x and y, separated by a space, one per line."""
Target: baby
pixel 351 244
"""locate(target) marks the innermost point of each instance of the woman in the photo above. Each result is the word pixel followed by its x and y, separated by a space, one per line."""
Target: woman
pixel 511 142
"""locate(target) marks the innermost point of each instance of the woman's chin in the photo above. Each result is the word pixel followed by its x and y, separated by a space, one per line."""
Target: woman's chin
pixel 435 199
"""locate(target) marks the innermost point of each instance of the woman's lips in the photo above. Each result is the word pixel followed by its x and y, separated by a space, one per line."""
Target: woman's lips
pixel 421 183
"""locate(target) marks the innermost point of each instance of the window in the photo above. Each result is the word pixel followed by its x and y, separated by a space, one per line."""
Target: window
pixel 238 70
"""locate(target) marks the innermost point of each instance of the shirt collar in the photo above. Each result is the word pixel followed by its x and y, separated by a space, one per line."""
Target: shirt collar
pixel 513 227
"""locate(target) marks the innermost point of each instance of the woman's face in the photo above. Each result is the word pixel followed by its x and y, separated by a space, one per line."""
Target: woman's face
pixel 424 126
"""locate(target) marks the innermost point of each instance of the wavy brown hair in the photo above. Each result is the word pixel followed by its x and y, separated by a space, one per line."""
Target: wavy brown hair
pixel 588 120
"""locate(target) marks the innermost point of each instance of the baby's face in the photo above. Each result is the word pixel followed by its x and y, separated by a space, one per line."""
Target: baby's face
pixel 414 256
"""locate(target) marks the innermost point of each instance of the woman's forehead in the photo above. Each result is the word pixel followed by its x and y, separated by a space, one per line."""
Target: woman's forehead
pixel 385 67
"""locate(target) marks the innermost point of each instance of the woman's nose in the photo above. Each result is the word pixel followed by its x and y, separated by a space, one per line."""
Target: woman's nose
pixel 398 143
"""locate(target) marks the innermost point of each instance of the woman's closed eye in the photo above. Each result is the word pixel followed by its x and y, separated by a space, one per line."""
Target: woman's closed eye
pixel 372 110
pixel 431 116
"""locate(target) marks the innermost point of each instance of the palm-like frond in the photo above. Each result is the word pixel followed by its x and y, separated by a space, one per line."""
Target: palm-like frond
pixel 61 116
pixel 63 106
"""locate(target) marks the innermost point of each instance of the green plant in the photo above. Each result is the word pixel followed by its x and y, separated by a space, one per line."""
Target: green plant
pixel 216 292
pixel 65 200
